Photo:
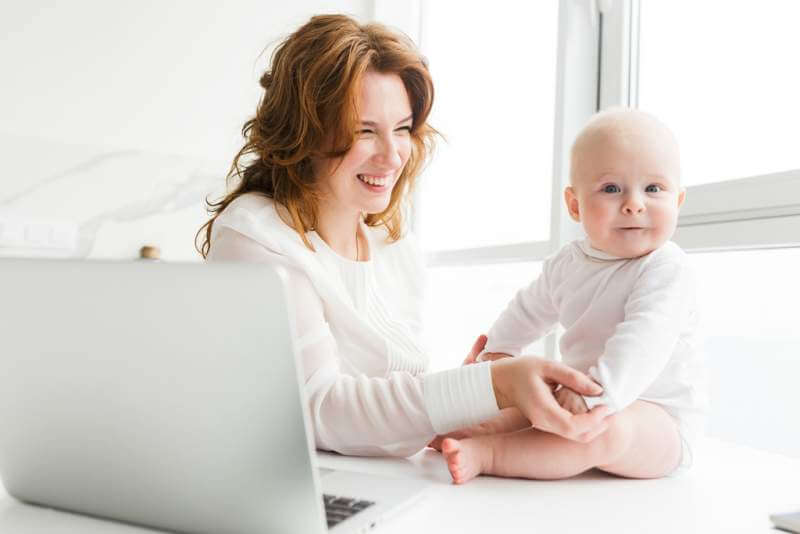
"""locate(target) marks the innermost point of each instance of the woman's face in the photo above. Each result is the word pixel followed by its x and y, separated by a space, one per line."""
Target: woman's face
pixel 365 176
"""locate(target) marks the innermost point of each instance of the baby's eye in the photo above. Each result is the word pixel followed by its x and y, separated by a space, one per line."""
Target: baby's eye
pixel 652 188
pixel 611 188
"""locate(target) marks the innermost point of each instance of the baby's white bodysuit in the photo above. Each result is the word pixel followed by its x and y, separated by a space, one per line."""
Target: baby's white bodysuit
pixel 631 324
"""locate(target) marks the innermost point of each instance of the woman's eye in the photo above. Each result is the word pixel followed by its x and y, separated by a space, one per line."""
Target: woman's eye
pixel 611 188
pixel 404 129
pixel 652 188
pixel 363 132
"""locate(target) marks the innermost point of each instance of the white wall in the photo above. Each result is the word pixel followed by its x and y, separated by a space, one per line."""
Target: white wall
pixel 119 117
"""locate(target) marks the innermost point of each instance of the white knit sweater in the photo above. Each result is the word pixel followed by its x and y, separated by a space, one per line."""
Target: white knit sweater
pixel 358 336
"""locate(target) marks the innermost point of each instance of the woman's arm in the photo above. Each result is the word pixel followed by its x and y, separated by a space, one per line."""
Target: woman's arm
pixel 360 415
pixel 399 414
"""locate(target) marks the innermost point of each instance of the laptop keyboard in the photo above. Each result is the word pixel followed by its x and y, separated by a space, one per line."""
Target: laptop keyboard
pixel 337 509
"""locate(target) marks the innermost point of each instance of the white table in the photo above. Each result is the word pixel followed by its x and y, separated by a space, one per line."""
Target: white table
pixel 730 489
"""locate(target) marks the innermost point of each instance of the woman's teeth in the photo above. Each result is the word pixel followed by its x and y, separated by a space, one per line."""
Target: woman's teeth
pixel 378 181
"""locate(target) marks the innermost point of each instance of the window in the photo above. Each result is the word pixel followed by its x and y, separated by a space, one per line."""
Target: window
pixel 727 89
pixel 494 73
pixel 484 208
pixel 720 74
pixel 731 98
pixel 464 300
pixel 748 301
pixel 514 84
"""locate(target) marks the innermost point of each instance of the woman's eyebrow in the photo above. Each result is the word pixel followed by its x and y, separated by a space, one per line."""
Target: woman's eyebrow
pixel 373 123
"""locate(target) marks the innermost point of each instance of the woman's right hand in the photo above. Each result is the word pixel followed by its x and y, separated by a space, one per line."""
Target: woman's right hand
pixel 477 348
pixel 528 383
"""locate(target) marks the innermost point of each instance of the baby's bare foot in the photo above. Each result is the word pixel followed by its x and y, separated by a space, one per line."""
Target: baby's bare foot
pixel 436 443
pixel 464 459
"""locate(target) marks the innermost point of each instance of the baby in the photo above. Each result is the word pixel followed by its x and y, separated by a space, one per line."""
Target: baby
pixel 625 297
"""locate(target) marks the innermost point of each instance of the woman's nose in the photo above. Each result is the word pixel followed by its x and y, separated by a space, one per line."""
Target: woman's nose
pixel 388 153
pixel 633 204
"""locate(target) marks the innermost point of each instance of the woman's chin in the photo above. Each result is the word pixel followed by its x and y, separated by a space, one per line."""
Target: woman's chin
pixel 377 204
pixel 372 209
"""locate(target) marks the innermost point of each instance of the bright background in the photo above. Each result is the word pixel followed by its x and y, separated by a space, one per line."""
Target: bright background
pixel 118 118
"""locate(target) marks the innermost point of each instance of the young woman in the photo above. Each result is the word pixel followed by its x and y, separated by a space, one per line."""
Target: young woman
pixel 322 187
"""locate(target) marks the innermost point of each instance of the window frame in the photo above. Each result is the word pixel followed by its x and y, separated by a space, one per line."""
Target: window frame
pixel 749 212
pixel 576 100
pixel 598 54
pixel 597 68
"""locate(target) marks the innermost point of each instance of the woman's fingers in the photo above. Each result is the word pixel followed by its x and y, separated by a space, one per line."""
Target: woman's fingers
pixel 572 378
pixel 593 422
pixel 581 427
pixel 551 416
pixel 477 348
pixel 586 437
pixel 526 384
pixel 585 427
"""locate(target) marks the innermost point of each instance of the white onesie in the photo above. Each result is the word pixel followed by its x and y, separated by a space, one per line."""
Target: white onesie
pixel 629 323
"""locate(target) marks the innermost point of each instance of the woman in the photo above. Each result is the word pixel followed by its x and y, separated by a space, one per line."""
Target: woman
pixel 337 142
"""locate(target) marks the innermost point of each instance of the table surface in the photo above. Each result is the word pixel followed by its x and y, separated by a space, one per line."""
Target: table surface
pixel 731 488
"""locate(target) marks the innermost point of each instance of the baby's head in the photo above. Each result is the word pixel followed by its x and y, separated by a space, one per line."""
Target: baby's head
pixel 625 182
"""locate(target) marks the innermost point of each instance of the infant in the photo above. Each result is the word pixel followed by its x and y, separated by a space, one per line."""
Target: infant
pixel 625 297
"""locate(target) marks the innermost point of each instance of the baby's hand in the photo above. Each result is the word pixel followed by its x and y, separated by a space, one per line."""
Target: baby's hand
pixel 571 401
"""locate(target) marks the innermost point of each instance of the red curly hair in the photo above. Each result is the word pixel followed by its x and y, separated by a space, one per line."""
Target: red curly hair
pixel 308 111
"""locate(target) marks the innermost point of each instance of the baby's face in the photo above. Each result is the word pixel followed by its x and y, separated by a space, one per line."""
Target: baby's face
pixel 626 192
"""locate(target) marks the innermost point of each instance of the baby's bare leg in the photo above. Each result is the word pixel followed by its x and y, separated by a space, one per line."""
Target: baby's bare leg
pixel 653 445
pixel 508 420
pixel 642 441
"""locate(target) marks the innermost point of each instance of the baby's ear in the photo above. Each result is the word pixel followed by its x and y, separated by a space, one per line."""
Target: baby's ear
pixel 681 197
pixel 572 203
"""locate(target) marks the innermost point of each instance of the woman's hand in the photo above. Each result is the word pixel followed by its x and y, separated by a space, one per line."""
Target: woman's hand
pixel 477 348
pixel 528 384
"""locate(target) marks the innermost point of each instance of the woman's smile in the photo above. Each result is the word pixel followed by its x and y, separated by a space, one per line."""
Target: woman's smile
pixel 377 182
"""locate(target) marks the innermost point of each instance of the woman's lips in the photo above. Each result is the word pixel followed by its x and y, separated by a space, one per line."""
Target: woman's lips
pixel 376 182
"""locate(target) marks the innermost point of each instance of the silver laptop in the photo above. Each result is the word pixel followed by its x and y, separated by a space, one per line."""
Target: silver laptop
pixel 166 395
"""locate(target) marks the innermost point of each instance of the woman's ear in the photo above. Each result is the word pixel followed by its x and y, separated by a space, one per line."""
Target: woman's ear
pixel 572 203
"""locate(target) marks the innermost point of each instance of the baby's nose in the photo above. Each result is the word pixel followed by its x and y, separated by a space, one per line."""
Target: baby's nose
pixel 633 205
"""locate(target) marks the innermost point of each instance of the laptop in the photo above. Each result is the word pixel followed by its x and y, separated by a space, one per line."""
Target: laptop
pixel 790 522
pixel 168 396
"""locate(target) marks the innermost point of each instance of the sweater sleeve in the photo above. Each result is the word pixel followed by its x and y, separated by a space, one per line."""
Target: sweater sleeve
pixel 655 314
pixel 530 315
pixel 396 415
